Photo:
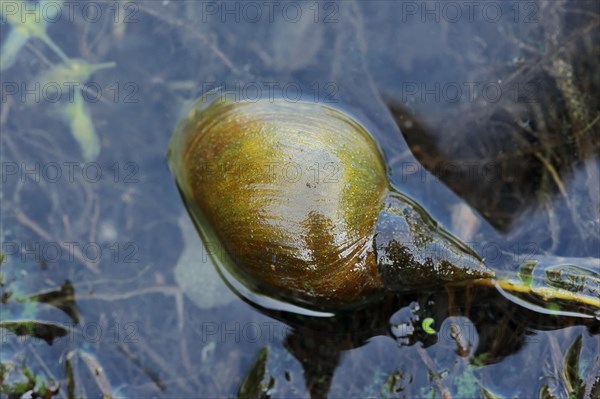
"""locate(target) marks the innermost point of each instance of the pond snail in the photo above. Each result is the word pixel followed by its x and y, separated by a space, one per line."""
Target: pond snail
pixel 298 197
pixel 293 199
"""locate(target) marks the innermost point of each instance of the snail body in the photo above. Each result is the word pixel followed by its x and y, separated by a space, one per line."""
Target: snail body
pixel 294 200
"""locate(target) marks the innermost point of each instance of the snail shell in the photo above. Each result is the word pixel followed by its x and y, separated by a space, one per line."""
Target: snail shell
pixel 294 200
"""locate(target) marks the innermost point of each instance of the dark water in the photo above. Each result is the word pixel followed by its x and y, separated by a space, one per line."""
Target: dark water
pixel 505 154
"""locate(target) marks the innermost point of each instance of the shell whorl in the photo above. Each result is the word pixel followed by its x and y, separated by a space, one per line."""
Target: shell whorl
pixel 292 193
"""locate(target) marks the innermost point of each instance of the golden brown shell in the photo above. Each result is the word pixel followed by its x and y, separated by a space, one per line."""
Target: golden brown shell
pixel 287 197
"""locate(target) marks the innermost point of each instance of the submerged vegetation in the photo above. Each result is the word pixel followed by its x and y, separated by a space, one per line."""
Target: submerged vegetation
pixel 134 325
pixel 70 72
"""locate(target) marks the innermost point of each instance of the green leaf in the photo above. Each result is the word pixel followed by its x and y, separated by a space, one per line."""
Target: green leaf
pixel 526 272
pixel 82 128
pixel 33 25
pixel 252 386
pixel 38 329
pixel 70 377
pixel 74 70
pixel 11 47
pixel 571 366
pixel 544 393
pixel 63 299
pixel 392 382
pixel 426 325
pixel 574 278
pixel 487 394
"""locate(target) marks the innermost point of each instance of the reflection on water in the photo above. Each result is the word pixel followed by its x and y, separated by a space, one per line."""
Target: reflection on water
pixel 520 137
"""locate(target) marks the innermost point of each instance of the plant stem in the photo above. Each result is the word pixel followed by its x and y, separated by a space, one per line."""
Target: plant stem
pixel 543 293
pixel 50 43
pixel 104 65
